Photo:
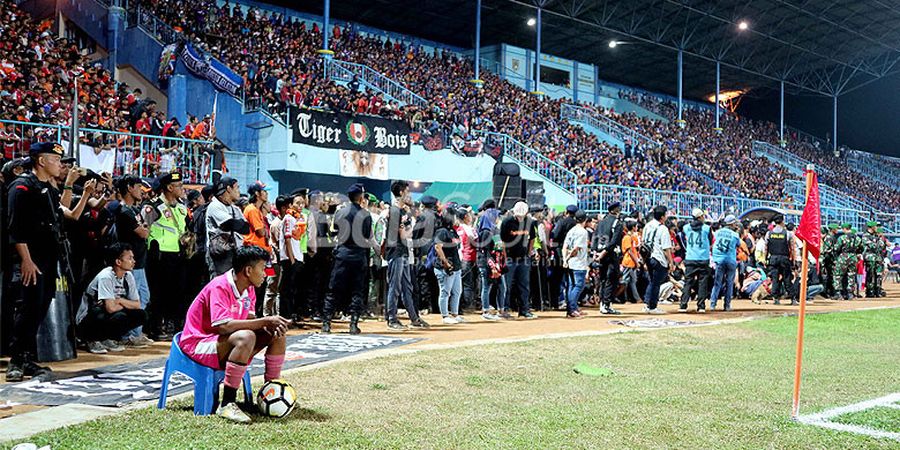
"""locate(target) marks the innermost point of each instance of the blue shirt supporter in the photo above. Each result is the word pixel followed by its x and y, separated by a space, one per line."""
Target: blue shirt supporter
pixel 725 249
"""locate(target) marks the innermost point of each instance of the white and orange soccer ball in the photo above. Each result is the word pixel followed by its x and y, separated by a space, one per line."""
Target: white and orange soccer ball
pixel 276 398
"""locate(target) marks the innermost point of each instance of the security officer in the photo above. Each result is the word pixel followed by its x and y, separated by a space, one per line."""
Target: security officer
pixel 845 262
pixel 354 225
pixel 422 239
pixel 606 245
pixel 780 248
pixel 828 258
pixel 873 257
pixel 165 263
pixel 34 235
pixel 882 252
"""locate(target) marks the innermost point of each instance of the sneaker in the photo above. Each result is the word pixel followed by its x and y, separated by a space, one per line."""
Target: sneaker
pixel 528 316
pixel 402 313
pixel 582 313
pixel 449 321
pixel 609 310
pixel 665 302
pixel 420 324
pixel 424 312
pixel 490 317
pixel 459 319
pixel 32 369
pixel 113 346
pixel 14 372
pixel 506 316
pixel 682 310
pixel 727 308
pixel 574 315
pixel 97 348
pixel 134 342
pixel 233 413
pixel 397 326
pixel 344 318
pixel 654 311
pixel 701 311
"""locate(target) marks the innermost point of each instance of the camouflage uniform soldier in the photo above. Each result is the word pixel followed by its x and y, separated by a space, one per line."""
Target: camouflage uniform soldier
pixel 828 260
pixel 883 247
pixel 873 257
pixel 844 273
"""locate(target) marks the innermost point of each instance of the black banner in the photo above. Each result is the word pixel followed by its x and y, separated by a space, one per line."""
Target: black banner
pixel 348 132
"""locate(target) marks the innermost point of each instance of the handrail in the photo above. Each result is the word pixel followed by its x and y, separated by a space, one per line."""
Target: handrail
pixel 790 161
pixel 874 166
pixel 374 79
pixel 546 167
pixel 605 124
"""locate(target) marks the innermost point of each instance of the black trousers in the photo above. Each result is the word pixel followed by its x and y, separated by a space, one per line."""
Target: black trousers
pixel 166 277
pixel 30 308
pixel 290 278
pixel 609 279
pixel 100 325
pixel 348 283
pixel 696 283
pixel 320 268
pixel 779 270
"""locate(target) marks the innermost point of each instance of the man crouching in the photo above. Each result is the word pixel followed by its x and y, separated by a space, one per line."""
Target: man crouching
pixel 222 331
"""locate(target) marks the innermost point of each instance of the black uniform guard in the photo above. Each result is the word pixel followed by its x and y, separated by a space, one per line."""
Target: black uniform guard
pixel 354 226
pixel 607 242
pixel 34 234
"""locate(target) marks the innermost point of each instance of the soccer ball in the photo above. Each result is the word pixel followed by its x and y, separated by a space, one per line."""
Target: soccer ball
pixel 276 398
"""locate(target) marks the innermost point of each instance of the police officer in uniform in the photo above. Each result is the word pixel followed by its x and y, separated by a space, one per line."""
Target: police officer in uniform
pixel 354 226
pixel 34 235
pixel 779 247
pixel 606 245
pixel 166 266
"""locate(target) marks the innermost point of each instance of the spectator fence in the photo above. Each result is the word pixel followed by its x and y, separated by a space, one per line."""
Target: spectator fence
pixel 346 71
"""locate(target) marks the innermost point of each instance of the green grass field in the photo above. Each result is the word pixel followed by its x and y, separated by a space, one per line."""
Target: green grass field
pixel 711 387
pixel 882 418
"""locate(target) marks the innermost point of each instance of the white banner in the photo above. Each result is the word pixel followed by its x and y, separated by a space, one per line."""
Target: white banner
pixel 98 160
pixel 364 164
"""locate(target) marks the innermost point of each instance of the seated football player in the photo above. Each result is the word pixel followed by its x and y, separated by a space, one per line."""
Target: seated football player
pixel 222 331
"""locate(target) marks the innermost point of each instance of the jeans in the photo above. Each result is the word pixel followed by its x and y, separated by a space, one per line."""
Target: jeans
pixel 100 325
pixel 518 279
pixel 273 284
pixel 484 272
pixel 629 280
pixel 724 279
pixel 695 281
pixel 140 277
pixel 657 274
pixel 400 289
pixel 575 290
pixel 813 290
pixel 451 289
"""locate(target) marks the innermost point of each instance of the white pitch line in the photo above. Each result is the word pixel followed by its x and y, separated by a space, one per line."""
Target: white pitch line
pixel 823 419
pixel 858 429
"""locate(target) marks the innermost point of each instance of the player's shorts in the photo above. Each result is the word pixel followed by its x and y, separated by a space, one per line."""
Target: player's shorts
pixel 202 349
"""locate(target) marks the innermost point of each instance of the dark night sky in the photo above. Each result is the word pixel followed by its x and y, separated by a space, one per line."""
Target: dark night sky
pixel 868 118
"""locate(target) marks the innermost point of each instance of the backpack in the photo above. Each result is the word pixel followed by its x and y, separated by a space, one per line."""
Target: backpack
pixel 431 259
pixel 646 249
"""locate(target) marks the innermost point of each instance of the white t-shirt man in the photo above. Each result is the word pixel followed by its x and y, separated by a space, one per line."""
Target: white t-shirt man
pixel 661 240
pixel 577 239
pixel 287 229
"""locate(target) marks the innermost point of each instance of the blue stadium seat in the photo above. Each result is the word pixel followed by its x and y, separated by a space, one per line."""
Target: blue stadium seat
pixel 206 380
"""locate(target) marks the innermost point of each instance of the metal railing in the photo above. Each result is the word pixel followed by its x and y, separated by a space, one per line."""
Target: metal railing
pixel 526 156
pixel 883 168
pixel 827 195
pixel 597 197
pixel 153 25
pixel 138 154
pixel 793 163
pixel 347 71
pixel 607 125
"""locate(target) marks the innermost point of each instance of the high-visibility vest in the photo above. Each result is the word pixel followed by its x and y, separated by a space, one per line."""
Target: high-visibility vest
pixel 167 229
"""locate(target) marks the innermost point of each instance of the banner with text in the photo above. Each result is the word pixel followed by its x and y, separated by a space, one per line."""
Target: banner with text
pixel 217 73
pixel 347 132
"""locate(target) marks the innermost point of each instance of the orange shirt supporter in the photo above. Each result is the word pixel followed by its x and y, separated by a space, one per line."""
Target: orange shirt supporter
pixel 255 217
pixel 743 253
pixel 628 242
pixel 199 131
pixel 300 227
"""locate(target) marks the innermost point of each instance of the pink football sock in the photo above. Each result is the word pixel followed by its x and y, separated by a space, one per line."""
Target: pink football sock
pixel 234 372
pixel 273 366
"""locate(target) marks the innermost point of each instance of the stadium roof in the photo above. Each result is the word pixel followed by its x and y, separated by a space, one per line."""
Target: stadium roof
pixel 827 47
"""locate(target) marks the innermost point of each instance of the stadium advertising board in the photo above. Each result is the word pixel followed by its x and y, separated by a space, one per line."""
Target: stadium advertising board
pixel 348 132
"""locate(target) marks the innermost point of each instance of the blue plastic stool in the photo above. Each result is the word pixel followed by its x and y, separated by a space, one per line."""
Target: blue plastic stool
pixel 206 380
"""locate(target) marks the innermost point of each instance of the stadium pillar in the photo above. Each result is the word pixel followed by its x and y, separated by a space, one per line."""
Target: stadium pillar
pixel 834 126
pixel 781 115
pixel 477 80
pixel 114 28
pixel 325 31
pixel 718 72
pixel 680 122
pixel 177 105
pixel 537 59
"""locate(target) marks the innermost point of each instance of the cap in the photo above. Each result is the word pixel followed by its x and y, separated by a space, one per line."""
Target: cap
pixel 846 226
pixel 880 230
pixel 169 178
pixel 224 183
pixel 208 191
pixel 580 216
pixel 614 205
pixel 303 192
pixel 571 209
pixel 833 226
pixel 697 213
pixel 46 147
pixel 257 186
pixel 68 160
pixel 871 223
pixel 520 209
pixel 730 219
pixel 428 201
pixel 373 198
pixel 356 188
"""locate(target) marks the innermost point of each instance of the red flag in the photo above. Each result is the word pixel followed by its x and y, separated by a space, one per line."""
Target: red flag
pixel 810 229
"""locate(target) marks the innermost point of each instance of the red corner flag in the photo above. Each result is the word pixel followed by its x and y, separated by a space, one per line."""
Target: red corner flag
pixel 810 229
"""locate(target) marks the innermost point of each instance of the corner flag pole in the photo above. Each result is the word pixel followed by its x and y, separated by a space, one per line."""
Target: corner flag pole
pixel 804 267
